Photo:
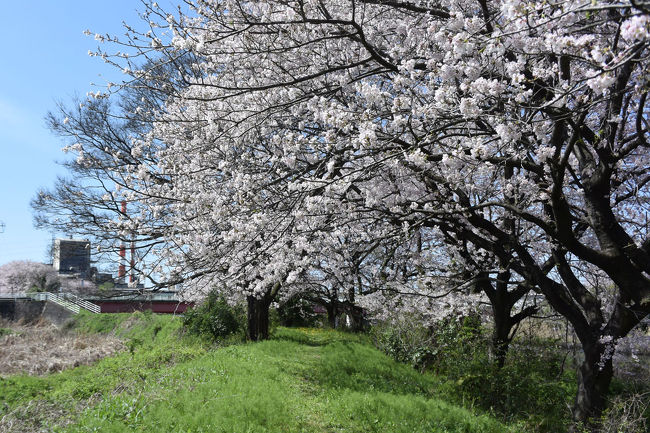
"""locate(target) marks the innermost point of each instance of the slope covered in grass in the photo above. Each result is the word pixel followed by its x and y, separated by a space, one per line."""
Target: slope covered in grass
pixel 31 404
pixel 300 381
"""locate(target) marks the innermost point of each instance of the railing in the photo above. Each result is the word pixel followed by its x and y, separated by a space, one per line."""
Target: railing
pixel 66 300
pixel 94 308
pixel 147 296
pixel 59 300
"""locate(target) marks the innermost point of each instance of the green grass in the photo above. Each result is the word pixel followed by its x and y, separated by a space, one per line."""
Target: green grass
pixel 325 383
pixel 303 380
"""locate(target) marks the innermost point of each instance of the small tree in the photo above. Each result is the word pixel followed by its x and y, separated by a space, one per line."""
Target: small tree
pixel 213 318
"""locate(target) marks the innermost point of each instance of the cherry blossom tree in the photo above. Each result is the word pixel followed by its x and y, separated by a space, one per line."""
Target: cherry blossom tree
pixel 21 276
pixel 517 128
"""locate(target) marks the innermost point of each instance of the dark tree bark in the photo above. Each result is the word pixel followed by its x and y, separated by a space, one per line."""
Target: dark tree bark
pixel 258 313
pixel 354 312
pixel 356 318
pixel 502 302
pixel 597 336
pixel 501 334
pixel 332 313
pixel 596 371
pixel 594 377
pixel 501 299
pixel 258 317
pixel 505 326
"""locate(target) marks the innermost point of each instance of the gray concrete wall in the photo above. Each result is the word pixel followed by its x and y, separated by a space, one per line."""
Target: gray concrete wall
pixel 7 309
pixel 25 310
pixel 55 313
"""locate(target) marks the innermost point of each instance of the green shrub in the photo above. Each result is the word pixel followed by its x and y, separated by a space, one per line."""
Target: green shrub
pixel 405 340
pixel 532 386
pixel 214 319
pixel 529 387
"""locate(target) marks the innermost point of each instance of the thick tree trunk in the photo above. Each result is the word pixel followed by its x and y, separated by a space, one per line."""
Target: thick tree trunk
pixel 594 377
pixel 501 338
pixel 505 324
pixel 354 312
pixel 331 315
pixel 258 318
pixel 502 302
pixel 356 318
pixel 502 322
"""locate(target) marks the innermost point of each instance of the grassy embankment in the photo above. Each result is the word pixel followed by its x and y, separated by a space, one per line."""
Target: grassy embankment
pixel 300 381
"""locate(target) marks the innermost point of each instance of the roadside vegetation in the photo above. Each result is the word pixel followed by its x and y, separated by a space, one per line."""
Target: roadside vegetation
pixel 535 388
pixel 42 348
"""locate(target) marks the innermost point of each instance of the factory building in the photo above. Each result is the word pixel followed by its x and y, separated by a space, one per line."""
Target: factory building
pixel 72 256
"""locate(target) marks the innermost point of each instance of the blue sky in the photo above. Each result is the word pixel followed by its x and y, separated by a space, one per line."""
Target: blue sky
pixel 45 60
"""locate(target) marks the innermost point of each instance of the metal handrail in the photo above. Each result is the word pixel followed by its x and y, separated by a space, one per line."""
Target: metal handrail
pixel 67 300
pixel 63 302
pixel 82 303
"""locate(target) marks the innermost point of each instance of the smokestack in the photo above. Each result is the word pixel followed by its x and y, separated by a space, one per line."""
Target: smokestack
pixel 132 276
pixel 121 271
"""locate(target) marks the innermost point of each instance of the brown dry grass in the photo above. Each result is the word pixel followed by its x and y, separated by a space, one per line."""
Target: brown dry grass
pixel 37 416
pixel 43 348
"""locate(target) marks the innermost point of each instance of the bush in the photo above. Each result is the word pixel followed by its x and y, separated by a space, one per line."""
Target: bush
pixel 405 340
pixel 214 319
pixel 530 386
